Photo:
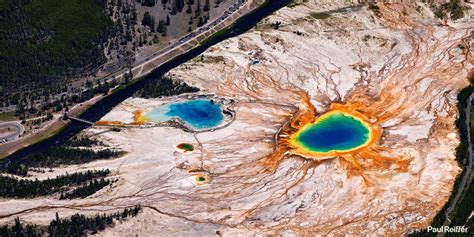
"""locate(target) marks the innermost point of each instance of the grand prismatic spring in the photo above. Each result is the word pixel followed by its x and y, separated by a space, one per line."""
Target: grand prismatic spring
pixel 334 131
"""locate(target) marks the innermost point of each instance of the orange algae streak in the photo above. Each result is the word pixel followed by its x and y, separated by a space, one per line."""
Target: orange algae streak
pixel 116 123
pixel 306 114
pixel 139 118
pixel 368 156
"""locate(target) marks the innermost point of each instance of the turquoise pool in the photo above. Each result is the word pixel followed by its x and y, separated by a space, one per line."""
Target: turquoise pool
pixel 198 114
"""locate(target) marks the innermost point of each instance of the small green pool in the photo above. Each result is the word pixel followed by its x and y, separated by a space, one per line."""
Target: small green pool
pixel 185 147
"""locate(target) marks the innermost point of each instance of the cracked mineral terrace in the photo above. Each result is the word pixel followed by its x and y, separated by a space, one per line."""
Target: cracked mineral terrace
pixel 399 69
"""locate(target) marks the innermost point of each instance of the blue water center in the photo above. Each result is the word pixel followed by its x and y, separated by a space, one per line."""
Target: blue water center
pixel 199 114
pixel 334 132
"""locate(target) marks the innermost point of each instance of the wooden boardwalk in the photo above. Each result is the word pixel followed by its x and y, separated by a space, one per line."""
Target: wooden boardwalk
pixel 66 116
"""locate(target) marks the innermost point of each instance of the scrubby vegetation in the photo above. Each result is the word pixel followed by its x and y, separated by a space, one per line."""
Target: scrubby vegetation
pixel 295 3
pixel 165 86
pixel 320 15
pixel 374 7
pixel 453 8
pixel 76 225
pixel 23 188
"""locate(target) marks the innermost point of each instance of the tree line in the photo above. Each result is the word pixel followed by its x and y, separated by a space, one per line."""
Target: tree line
pixel 60 155
pixel 165 86
pixel 75 225
pixel 11 187
pixel 86 190
pixel 83 142
pixel 56 156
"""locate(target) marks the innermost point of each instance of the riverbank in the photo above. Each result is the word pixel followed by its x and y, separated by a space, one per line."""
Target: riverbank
pixel 457 209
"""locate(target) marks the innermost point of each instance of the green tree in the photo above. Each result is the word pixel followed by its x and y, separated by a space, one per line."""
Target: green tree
pixel 161 27
pixel 178 6
pixel 152 24
pixel 197 12
pixel 206 6
pixel 155 39
pixel 200 21
pixel 128 76
pixel 217 2
pixel 456 9
pixel 148 3
pixel 147 19
pixel 189 9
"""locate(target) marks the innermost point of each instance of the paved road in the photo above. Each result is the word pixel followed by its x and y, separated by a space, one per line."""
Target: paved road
pixel 19 130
